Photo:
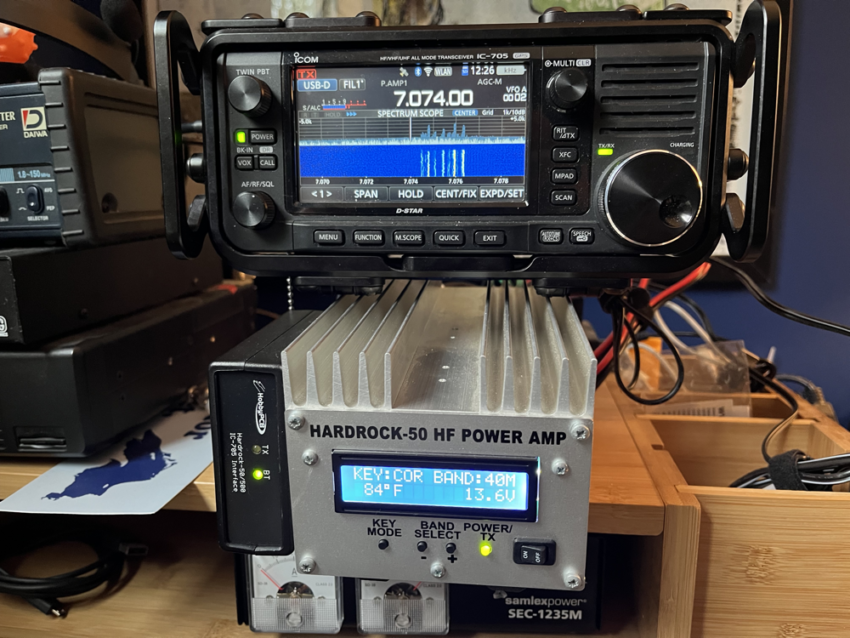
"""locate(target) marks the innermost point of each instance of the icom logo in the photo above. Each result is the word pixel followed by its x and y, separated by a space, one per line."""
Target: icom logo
pixel 305 59
pixel 260 409
pixel 34 122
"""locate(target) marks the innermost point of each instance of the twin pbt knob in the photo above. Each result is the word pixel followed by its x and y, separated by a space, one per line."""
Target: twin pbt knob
pixel 566 88
pixel 249 95
pixel 651 198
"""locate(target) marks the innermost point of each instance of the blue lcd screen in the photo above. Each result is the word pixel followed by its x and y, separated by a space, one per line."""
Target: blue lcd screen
pixel 435 487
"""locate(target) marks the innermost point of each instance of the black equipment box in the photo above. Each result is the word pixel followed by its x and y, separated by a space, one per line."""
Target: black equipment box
pixel 591 147
pixel 49 292
pixel 79 161
pixel 77 395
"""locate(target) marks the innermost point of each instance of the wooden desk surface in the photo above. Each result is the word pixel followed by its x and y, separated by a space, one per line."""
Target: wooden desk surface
pixel 623 498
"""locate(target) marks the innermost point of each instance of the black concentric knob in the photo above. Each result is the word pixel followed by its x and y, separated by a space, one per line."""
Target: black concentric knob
pixel 567 87
pixel 249 95
pixel 651 198
pixel 253 209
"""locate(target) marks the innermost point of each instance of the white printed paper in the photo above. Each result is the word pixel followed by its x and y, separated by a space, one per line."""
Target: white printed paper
pixel 139 475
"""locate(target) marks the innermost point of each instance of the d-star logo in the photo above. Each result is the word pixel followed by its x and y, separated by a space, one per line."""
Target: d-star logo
pixel 33 119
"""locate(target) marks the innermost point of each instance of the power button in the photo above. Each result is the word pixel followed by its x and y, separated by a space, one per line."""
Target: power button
pixel 35 201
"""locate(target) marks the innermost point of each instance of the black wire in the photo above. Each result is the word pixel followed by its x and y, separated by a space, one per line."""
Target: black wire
pixel 636 347
pixel 774 306
pixel 680 366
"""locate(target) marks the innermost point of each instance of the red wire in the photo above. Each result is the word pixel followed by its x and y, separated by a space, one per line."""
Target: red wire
pixel 605 347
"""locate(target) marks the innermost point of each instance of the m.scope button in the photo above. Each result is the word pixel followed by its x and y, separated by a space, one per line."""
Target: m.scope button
pixel 409 237
pixel 489 238
pixel 565 154
pixel 328 237
pixel 551 236
pixel 263 137
pixel 369 237
pixel 449 237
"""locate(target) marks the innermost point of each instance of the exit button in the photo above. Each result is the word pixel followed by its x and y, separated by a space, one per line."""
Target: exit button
pixel 489 238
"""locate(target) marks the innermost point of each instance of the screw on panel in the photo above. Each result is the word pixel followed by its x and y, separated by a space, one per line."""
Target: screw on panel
pixel 307 565
pixel 560 467
pixel 294 619
pixel 403 621
pixel 573 581
pixel 295 421
pixel 580 432
pixel 438 570
pixel 310 457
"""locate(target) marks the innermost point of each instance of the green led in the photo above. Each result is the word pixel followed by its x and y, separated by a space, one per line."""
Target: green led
pixel 257 474
pixel 604 151
pixel 241 137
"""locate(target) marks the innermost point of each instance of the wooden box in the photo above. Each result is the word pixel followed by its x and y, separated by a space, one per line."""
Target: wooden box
pixel 764 563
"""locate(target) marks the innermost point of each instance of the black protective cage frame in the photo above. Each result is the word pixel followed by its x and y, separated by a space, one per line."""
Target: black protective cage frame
pixel 744 224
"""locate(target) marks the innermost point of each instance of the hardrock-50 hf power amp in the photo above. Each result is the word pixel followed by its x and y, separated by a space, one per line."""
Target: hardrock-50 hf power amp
pixel 79 161
pixel 591 146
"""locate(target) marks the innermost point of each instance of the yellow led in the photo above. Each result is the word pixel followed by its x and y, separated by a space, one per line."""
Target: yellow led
pixel 241 137
pixel 604 151
pixel 485 548
pixel 257 474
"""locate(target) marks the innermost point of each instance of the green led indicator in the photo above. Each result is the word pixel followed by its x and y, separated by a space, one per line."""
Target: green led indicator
pixel 257 474
pixel 241 137
pixel 604 151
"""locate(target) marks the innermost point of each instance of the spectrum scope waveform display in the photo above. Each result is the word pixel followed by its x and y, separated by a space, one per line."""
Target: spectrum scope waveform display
pixel 447 153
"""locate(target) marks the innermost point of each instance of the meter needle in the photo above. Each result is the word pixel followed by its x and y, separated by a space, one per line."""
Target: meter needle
pixel 270 578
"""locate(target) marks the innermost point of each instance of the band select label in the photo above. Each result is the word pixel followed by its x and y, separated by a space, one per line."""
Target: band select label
pixel 464 435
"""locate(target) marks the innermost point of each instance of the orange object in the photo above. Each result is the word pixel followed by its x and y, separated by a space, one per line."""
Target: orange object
pixel 16 45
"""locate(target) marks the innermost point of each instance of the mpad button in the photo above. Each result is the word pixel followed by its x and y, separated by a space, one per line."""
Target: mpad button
pixel 551 236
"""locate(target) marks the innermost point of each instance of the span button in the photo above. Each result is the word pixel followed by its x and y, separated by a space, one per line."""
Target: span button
pixel 366 194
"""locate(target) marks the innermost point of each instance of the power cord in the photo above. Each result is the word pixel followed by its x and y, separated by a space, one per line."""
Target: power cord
pixel 42 593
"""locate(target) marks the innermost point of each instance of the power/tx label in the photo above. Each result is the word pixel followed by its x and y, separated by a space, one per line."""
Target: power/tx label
pixel 447 435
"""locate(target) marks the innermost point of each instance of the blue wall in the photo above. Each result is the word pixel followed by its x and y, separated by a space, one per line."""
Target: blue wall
pixel 812 273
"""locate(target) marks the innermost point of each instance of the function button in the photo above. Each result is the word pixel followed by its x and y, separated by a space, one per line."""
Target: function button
pixel 409 237
pixel 267 162
pixel 563 198
pixel 411 193
pixel 501 192
pixel 328 237
pixel 245 162
pixel 449 237
pixel 532 555
pixel 369 237
pixel 366 194
pixel 551 236
pixel 35 202
pixel 457 193
pixel 489 237
pixel 565 154
pixel 564 175
pixel 263 137
pixel 565 133
pixel 421 546
pixel 581 235
pixel 321 194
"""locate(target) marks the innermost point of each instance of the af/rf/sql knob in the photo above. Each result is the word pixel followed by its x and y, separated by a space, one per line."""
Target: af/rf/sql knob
pixel 253 209
pixel 249 95
pixel 567 87
pixel 651 198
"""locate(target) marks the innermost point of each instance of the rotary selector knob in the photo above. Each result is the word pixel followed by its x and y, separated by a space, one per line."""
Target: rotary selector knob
pixel 249 95
pixel 651 198
pixel 567 87
pixel 253 209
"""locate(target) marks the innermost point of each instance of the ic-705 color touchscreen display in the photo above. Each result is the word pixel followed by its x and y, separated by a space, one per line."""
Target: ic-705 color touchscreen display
pixel 420 134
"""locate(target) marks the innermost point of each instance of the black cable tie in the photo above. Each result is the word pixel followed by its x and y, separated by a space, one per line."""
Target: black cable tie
pixel 784 471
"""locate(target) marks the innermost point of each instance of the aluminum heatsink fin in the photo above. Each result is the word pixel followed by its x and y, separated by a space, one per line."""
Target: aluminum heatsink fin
pixel 582 387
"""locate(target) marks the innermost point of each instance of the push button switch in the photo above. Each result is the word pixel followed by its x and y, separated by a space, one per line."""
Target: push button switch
pixel 568 133
pixel 369 237
pixel 328 237
pixel 409 237
pixel 267 162
pixel 551 236
pixel 449 237
pixel 263 137
pixel 563 198
pixel 564 175
pixel 565 154
pixel 489 238
pixel 245 162
pixel 581 235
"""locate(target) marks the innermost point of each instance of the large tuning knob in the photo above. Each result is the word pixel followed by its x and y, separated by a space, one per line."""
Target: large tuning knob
pixel 567 87
pixel 249 95
pixel 253 209
pixel 651 198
